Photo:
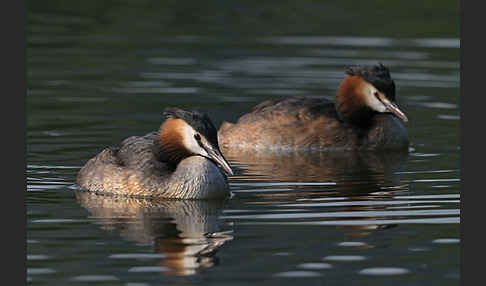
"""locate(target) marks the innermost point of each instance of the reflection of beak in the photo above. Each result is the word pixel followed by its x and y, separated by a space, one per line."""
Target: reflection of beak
pixel 216 156
pixel 392 107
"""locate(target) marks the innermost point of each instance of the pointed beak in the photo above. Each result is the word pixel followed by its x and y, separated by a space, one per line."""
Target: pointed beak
pixel 392 107
pixel 217 157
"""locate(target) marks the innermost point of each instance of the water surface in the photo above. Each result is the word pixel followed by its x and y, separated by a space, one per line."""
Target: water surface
pixel 339 219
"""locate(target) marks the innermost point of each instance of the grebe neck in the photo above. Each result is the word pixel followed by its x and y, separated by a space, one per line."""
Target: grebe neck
pixel 350 104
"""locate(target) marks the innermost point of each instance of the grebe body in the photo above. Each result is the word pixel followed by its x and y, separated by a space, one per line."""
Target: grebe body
pixel 364 117
pixel 182 161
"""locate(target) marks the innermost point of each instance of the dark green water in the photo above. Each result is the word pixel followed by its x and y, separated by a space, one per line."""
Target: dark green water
pixel 103 70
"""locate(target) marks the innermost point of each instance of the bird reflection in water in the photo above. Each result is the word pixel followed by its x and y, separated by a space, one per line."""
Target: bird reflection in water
pixel 353 171
pixel 351 177
pixel 186 232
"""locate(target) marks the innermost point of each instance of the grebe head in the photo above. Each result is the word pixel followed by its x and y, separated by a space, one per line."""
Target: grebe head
pixel 365 90
pixel 189 133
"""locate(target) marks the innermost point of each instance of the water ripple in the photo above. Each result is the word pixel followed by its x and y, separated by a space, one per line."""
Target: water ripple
pixel 298 274
pixel 381 271
pixel 354 214
pixel 364 41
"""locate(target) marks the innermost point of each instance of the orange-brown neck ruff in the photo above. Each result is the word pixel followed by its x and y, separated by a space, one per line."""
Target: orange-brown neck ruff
pixel 350 102
pixel 171 141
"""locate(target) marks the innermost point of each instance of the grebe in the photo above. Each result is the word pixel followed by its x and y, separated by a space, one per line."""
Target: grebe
pixel 364 117
pixel 179 161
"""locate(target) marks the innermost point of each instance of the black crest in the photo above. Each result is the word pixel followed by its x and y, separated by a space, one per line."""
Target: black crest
pixel 198 120
pixel 378 76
